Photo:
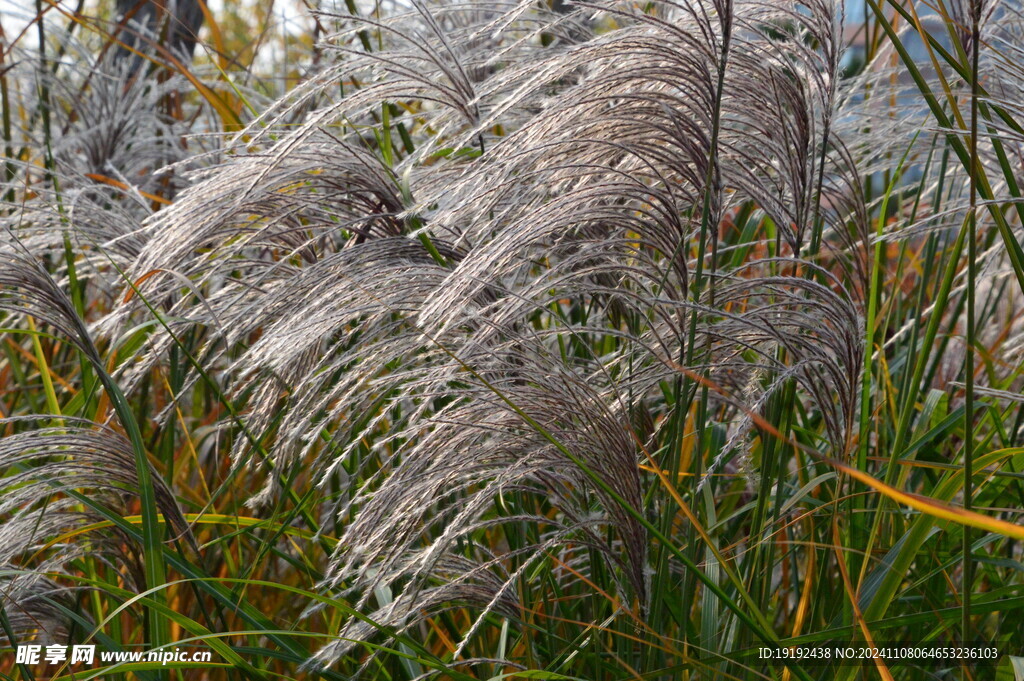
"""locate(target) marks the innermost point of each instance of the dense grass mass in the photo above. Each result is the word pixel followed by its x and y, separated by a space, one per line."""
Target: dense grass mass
pixel 551 340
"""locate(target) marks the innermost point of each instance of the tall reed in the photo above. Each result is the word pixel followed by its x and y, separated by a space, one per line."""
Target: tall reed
pixel 591 340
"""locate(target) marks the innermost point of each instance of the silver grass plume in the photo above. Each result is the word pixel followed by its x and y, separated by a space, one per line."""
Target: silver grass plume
pixel 57 478
pixel 111 142
pixel 1001 29
pixel 33 603
pixel 61 479
pixel 555 162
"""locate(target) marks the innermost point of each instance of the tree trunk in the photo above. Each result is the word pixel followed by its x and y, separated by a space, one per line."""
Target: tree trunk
pixel 147 23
